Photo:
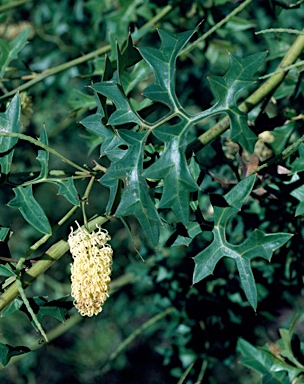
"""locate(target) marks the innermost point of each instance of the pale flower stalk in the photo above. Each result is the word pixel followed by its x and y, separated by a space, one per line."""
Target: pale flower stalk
pixel 91 269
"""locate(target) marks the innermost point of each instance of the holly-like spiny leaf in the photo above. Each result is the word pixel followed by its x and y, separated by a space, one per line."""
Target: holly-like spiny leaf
pixel 42 307
pixel 162 62
pixel 227 89
pixel 135 199
pixel 68 190
pixel 125 113
pixel 127 56
pixel 273 369
pixel 111 139
pixel 8 351
pixel 257 244
pixel 172 167
pixel 110 147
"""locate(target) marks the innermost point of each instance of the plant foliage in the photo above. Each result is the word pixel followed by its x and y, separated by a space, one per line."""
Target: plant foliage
pixel 192 162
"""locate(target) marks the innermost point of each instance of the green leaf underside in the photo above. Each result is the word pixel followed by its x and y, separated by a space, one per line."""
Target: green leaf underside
pixel 271 367
pixel 30 209
pixel 9 122
pixel 7 352
pixel 172 167
pixel 257 244
pixel 135 199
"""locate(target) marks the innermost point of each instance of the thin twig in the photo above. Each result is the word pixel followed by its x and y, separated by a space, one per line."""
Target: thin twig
pixel 29 308
pixel 265 90
pixel 280 30
pixel 80 60
pixel 282 156
pixel 40 144
pixel 12 4
pixel 215 27
pixel 122 346
pixel 296 65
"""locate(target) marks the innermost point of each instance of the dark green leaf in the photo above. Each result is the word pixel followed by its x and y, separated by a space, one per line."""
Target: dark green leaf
pixel 298 164
pixel 30 209
pixel 111 183
pixel 281 136
pixel 6 270
pixel 194 229
pixel 162 62
pixel 125 112
pixel 12 307
pixel 285 342
pixel 172 167
pixel 10 50
pixel 9 122
pixel 68 190
pixel 4 232
pixel 131 79
pixel 257 244
pixel 7 352
pixel 43 156
pixel 42 307
pixel 135 199
pixel 129 57
pixel 227 89
pixel 273 369
pixel 56 308
pixel 298 193
pixel 111 140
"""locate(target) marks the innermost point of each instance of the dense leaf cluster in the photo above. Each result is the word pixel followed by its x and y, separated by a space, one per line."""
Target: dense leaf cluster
pixel 192 162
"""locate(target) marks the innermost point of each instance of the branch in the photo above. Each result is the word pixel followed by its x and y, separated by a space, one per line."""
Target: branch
pixel 40 144
pixel 51 255
pixel 265 90
pixel 122 346
pixel 215 27
pixel 80 60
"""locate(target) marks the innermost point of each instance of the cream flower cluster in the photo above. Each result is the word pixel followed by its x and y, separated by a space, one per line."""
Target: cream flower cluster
pixel 91 269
